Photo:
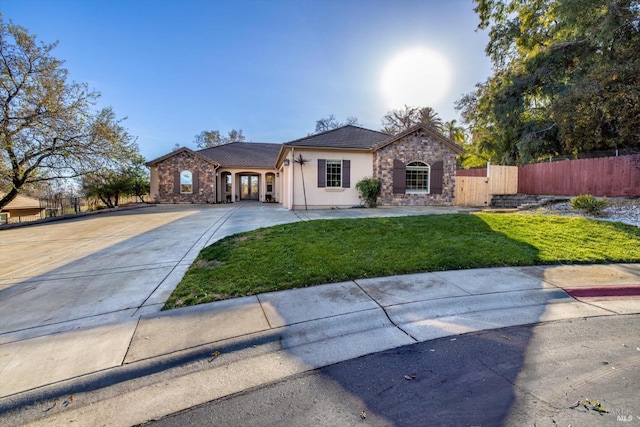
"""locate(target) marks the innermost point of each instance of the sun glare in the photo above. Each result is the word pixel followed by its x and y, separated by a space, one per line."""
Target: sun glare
pixel 416 77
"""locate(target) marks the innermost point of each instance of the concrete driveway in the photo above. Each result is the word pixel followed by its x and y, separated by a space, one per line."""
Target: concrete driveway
pixel 111 267
pixel 104 268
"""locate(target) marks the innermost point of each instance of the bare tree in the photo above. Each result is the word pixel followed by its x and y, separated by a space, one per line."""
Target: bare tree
pixel 48 128
pixel 213 138
pixel 330 123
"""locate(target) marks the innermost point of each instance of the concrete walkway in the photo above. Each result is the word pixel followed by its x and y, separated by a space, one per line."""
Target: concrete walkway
pixel 89 316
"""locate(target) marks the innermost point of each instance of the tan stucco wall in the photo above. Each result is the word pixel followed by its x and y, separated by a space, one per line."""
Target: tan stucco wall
pixel 415 147
pixel 14 213
pixel 322 198
pixel 210 178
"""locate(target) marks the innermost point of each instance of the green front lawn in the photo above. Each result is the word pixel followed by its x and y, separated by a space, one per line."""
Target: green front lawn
pixel 324 251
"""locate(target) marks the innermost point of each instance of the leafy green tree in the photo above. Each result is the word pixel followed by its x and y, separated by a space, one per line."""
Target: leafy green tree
pixel 108 185
pixel 48 129
pixel 213 138
pixel 139 181
pixel 566 79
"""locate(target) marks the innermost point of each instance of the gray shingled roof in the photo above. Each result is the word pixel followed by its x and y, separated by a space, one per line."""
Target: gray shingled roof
pixel 244 154
pixel 343 137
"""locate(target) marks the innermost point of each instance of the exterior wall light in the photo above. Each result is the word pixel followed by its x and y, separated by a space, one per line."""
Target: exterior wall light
pixel 286 162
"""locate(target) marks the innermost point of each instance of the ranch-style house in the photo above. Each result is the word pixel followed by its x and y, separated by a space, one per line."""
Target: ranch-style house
pixel 415 167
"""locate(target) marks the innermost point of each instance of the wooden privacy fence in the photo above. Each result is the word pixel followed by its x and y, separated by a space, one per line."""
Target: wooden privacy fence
pixel 604 176
pixel 474 187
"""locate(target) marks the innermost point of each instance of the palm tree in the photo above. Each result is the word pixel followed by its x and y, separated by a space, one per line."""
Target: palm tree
pixel 396 121
pixel 429 117
pixel 454 132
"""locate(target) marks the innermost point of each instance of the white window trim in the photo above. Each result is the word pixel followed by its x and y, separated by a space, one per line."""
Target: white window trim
pixel 427 167
pixel 327 181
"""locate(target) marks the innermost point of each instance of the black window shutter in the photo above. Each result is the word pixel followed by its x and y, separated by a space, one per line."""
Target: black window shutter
pixel 399 177
pixel 322 173
pixel 346 174
pixel 176 182
pixel 437 176
pixel 196 182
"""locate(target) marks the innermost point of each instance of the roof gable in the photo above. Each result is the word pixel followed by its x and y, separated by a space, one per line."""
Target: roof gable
pixel 179 151
pixel 427 130
pixel 345 137
pixel 22 202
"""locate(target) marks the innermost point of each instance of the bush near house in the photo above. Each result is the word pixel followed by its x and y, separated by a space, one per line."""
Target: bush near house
pixel 369 189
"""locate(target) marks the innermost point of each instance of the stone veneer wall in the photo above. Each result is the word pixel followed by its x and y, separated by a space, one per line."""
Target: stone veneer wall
pixel 205 192
pixel 411 149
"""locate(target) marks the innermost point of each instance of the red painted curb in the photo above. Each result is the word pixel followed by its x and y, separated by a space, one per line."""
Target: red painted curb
pixel 604 291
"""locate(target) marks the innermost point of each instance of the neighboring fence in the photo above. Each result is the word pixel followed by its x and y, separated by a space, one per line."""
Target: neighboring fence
pixel 474 187
pixel 59 206
pixel 605 176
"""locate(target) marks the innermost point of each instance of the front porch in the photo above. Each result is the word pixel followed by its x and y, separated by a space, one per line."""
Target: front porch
pixel 246 185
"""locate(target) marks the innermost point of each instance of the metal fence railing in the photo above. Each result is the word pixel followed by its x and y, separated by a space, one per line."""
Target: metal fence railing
pixel 53 207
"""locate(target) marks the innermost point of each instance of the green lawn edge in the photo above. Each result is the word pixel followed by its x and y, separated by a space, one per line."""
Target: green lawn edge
pixel 315 252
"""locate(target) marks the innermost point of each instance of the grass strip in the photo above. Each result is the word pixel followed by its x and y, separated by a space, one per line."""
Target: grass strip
pixel 327 251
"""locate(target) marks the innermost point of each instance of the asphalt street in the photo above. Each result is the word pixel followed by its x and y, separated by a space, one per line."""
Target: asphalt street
pixel 518 376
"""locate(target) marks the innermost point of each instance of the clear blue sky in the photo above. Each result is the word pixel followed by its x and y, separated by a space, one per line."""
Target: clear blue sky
pixel 269 67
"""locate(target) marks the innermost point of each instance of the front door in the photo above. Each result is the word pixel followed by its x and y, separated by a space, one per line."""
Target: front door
pixel 249 187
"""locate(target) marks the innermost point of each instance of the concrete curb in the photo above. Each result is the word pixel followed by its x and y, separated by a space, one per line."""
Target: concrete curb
pixel 251 341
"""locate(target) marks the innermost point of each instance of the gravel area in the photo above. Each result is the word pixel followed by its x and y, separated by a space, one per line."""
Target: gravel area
pixel 619 210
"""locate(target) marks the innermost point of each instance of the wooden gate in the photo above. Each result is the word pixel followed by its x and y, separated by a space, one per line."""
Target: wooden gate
pixel 477 190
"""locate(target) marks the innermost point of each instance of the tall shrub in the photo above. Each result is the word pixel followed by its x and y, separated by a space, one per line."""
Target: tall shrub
pixel 369 189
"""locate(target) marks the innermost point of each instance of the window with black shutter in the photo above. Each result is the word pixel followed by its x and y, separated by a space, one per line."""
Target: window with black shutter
pixel 399 177
pixel 437 177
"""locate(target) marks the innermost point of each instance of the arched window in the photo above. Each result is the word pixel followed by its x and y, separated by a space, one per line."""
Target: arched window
pixel 186 182
pixel 417 177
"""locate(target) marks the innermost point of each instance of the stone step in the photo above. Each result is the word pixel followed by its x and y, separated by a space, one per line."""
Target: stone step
pixel 523 201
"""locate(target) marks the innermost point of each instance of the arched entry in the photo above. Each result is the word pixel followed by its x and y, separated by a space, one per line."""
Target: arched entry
pixel 249 187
